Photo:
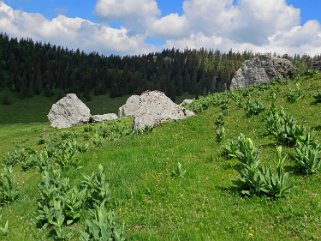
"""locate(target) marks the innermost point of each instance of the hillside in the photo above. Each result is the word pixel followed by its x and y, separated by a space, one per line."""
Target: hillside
pixel 155 197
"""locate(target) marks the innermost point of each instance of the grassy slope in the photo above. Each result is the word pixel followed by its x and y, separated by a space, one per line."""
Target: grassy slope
pixel 201 206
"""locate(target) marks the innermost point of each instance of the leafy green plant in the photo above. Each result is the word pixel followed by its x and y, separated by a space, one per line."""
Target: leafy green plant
pixel 220 120
pixel 97 139
pixel 284 128
pixel 294 95
pixel 8 191
pixel 231 148
pixel 179 171
pixel 254 108
pixel 261 180
pixel 5 229
pixel 276 183
pixel 311 72
pixel 102 226
pixel 60 204
pixel 97 187
pixel 307 158
pixel 220 134
pixel 16 156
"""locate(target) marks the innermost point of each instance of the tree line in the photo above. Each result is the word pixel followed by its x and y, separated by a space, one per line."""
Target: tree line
pixel 32 68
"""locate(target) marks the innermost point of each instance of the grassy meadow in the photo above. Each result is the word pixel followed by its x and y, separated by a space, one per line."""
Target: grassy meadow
pixel 154 204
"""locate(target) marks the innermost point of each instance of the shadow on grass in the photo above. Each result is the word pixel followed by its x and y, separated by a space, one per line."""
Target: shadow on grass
pixel 317 128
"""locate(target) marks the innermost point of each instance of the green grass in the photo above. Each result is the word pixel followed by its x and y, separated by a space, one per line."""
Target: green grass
pixel 200 206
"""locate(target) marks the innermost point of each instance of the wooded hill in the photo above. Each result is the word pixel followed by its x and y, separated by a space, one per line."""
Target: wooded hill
pixel 31 68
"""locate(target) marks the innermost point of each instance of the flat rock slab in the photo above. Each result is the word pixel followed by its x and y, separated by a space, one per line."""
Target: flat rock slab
pixel 262 69
pixel 105 117
pixel 68 111
pixel 152 108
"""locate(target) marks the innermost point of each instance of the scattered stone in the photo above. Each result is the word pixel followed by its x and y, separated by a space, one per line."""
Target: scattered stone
pixel 105 117
pixel 68 111
pixel 316 65
pixel 262 69
pixel 186 102
pixel 152 108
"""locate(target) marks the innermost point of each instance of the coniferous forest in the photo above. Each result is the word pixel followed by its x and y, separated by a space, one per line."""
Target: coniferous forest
pixel 32 68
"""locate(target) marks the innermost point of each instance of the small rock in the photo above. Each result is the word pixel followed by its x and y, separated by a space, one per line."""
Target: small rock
pixel 186 102
pixel 105 117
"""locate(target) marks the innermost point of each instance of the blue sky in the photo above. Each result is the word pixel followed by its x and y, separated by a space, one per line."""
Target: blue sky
pixel 140 26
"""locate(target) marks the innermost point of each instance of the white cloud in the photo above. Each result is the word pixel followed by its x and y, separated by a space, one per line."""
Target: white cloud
pixel 170 26
pixel 71 32
pixel 136 15
pixel 272 26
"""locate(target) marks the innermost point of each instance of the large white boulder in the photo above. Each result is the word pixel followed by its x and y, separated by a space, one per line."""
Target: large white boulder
pixel 152 108
pixel 262 69
pixel 68 111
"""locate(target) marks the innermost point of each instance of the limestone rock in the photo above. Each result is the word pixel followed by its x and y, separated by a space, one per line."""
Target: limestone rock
pixel 316 65
pixel 262 69
pixel 186 102
pixel 152 108
pixel 105 117
pixel 68 111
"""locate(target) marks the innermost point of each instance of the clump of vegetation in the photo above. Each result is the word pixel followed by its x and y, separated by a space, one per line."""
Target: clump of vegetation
pixel 317 97
pixel 102 225
pixel 16 156
pixel 5 229
pixel 256 180
pixel 8 191
pixel 220 134
pixel 283 127
pixel 294 95
pixel 179 171
pixel 308 157
pixel 254 108
pixel 220 120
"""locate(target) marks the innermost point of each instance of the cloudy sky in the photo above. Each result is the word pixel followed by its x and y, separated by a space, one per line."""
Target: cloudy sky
pixel 140 26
